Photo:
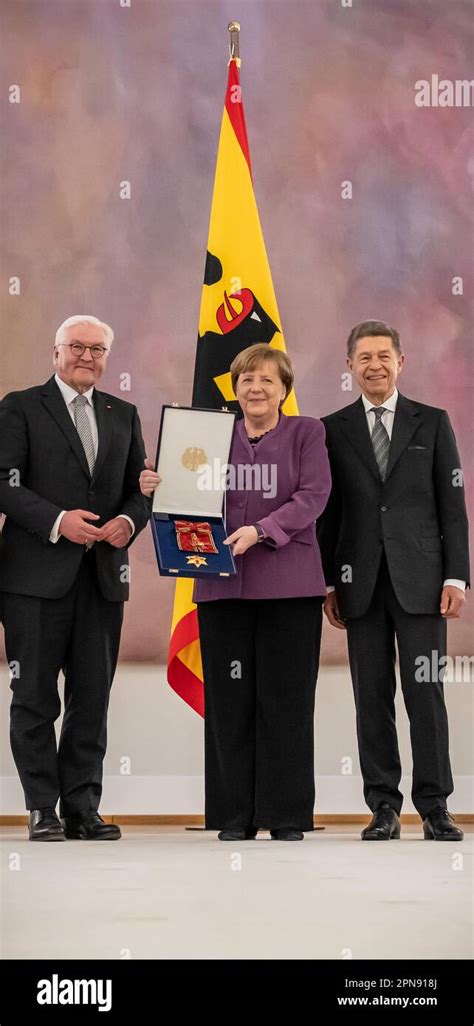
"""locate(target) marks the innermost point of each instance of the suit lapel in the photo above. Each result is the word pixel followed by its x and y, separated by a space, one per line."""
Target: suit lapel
pixel 405 422
pixel 103 413
pixel 54 402
pixel 355 427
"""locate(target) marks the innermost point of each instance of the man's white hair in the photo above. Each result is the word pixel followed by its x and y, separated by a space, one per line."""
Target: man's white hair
pixel 84 319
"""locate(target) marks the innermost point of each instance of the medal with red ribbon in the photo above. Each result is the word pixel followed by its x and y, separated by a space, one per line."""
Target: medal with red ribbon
pixel 194 536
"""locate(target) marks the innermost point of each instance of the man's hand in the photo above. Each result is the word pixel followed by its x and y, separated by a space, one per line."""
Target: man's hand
pixel 149 479
pixel 74 526
pixel 242 539
pixel 331 610
pixel 116 532
pixel 452 601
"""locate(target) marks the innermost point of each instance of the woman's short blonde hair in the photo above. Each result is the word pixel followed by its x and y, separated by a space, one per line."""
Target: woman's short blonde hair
pixel 249 359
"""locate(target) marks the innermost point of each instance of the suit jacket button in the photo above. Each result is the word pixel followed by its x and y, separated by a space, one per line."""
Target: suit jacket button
pixel 384 509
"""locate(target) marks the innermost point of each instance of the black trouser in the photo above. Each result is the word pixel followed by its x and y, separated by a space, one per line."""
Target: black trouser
pixel 371 640
pixel 80 634
pixel 260 661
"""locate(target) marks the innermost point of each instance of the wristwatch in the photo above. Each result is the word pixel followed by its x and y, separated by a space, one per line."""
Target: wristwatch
pixel 260 532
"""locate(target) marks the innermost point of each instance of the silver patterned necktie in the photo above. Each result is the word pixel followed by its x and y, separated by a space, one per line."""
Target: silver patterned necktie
pixel 380 440
pixel 84 429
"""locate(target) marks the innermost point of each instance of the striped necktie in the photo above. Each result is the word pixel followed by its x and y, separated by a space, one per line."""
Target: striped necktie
pixel 84 429
pixel 380 440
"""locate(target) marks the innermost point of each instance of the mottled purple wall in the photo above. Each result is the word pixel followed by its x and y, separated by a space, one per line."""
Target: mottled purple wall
pixel 111 93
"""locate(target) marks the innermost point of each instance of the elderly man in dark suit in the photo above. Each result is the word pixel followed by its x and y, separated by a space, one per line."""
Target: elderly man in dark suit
pixel 70 458
pixel 394 544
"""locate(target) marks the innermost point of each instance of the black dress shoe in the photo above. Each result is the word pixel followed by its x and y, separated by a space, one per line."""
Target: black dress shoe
pixel 89 826
pixel 440 826
pixel 237 835
pixel 44 825
pixel 384 825
pixel 287 834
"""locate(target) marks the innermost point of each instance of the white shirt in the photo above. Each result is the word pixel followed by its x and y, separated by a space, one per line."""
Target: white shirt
pixel 387 417
pixel 389 406
pixel 69 395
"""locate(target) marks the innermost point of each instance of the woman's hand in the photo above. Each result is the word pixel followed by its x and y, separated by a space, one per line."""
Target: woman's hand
pixel 149 479
pixel 242 539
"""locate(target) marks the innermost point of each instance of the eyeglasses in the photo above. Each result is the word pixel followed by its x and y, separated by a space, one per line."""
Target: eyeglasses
pixel 78 349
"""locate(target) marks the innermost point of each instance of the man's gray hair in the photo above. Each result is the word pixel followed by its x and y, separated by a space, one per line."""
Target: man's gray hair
pixel 372 329
pixel 84 319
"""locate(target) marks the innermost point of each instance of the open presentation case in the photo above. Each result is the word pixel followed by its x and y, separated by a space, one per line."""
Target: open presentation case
pixel 188 515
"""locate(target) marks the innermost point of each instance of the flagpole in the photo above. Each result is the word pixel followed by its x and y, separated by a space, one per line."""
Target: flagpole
pixel 234 29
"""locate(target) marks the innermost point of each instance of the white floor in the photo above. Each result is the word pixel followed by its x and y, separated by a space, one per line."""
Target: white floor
pixel 168 892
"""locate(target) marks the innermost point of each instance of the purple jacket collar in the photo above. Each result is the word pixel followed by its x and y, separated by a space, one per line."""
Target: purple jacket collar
pixel 242 433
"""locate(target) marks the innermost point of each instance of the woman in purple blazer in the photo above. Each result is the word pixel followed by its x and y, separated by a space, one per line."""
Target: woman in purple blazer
pixel 260 630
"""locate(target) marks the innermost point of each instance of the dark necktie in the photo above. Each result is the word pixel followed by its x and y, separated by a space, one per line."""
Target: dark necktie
pixel 380 441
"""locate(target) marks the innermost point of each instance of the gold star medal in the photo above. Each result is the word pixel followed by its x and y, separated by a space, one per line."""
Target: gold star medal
pixel 196 561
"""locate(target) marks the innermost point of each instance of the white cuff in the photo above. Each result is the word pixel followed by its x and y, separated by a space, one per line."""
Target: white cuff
pixel 132 525
pixel 455 583
pixel 330 588
pixel 54 534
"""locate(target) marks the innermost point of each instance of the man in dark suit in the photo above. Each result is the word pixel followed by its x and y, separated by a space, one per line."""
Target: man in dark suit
pixel 70 459
pixel 394 545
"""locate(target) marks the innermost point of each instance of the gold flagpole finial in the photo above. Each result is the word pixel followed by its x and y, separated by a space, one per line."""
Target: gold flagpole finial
pixel 234 29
